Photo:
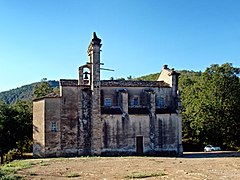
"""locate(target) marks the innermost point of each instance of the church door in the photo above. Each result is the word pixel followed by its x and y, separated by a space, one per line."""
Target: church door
pixel 139 145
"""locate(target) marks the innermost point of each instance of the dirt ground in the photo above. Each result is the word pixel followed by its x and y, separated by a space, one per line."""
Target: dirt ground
pixel 211 165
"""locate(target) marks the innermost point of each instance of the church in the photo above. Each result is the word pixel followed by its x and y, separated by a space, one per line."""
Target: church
pixel 109 117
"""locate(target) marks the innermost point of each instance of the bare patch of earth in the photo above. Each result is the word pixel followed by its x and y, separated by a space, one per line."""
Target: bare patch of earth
pixel 213 165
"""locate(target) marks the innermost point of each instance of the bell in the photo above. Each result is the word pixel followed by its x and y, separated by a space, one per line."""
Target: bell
pixel 85 75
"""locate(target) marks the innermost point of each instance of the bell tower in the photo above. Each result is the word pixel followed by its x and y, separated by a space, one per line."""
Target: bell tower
pixel 94 62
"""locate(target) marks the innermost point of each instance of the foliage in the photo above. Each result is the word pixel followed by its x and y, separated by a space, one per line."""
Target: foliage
pixel 15 127
pixel 42 89
pixel 8 128
pixel 129 77
pixel 10 177
pixel 16 122
pixel 150 77
pixel 8 171
pixel 11 155
pixel 121 79
pixel 211 106
pixel 24 119
pixel 23 93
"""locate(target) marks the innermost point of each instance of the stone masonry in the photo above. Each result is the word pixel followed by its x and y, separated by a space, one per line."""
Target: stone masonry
pixel 109 117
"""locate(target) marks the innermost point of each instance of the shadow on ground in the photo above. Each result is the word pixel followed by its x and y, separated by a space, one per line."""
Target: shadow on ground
pixel 214 154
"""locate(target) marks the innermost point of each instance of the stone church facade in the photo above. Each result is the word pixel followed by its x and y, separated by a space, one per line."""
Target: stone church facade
pixel 109 117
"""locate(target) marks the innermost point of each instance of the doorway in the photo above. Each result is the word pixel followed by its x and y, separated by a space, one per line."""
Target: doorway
pixel 139 145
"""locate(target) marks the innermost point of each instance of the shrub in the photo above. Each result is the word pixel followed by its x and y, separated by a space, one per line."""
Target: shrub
pixel 11 155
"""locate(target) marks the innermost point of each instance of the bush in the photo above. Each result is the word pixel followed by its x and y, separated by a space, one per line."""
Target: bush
pixel 11 155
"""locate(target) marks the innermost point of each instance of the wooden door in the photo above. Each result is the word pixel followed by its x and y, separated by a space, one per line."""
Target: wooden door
pixel 139 145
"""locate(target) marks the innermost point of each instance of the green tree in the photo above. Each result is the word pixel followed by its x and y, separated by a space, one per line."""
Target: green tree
pixel 42 89
pixel 24 120
pixel 7 127
pixel 212 105
pixel 121 79
pixel 150 77
pixel 15 126
pixel 129 77
pixel 186 83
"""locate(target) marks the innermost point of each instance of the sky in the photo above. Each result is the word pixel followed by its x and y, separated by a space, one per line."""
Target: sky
pixel 49 38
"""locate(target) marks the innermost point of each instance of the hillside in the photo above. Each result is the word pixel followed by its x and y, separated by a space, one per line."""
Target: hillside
pixel 24 92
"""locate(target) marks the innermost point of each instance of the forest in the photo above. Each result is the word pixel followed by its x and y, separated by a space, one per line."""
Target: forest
pixel 16 119
pixel 210 109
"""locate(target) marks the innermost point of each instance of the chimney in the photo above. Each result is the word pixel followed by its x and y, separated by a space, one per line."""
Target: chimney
pixel 165 66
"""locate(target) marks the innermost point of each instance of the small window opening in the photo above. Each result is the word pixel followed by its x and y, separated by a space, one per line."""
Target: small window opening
pixel 54 126
pixel 108 102
pixel 160 102
pixel 135 101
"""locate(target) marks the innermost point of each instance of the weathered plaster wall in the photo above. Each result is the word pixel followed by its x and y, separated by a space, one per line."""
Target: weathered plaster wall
pixel 112 92
pixel 170 77
pixel 160 134
pixel 76 120
pixel 168 133
pixel 38 128
pixel 84 122
pixel 53 138
pixel 119 133
pixel 69 120
pixel 165 75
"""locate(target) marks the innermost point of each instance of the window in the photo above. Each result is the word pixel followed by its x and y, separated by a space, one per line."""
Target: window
pixel 108 102
pixel 160 102
pixel 135 101
pixel 54 126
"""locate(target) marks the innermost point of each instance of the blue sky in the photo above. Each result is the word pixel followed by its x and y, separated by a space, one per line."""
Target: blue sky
pixel 49 38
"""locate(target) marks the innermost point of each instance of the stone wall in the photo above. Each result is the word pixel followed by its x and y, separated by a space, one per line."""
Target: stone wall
pixel 159 127
pixel 85 125
pixel 52 127
pixel 168 134
pixel 69 120
pixel 76 119
pixel 113 93
pixel 160 136
pixel 39 128
pixel 130 83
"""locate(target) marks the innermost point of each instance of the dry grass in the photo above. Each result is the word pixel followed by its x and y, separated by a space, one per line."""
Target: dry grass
pixel 188 167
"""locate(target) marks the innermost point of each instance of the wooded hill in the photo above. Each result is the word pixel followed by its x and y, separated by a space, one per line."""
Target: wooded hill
pixel 23 93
